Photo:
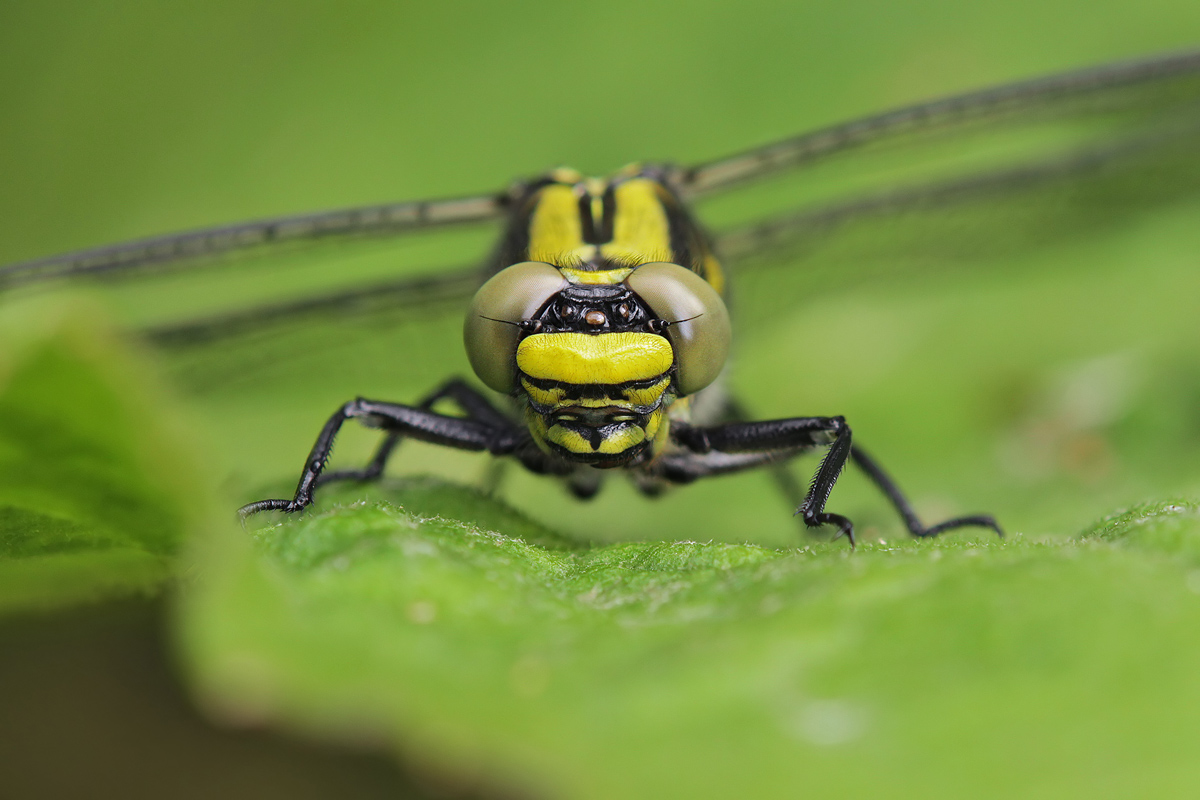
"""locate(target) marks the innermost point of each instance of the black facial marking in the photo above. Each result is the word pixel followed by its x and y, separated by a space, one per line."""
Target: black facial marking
pixel 601 308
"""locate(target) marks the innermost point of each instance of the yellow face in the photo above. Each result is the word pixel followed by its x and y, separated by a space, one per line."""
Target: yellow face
pixel 598 399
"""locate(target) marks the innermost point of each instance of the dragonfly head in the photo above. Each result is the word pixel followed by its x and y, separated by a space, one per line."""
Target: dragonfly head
pixel 598 364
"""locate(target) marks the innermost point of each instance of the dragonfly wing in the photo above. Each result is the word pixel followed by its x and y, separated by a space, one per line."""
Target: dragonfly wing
pixel 1123 81
pixel 1098 148
pixel 1146 155
pixel 169 251
pixel 1045 216
pixel 449 286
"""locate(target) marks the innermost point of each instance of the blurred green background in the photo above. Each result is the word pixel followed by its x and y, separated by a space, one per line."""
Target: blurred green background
pixel 124 121
pixel 1049 374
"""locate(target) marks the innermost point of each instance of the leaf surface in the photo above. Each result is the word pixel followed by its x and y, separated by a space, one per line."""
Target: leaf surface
pixel 96 492
pixel 704 669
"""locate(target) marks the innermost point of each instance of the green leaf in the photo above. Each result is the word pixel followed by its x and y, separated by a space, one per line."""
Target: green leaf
pixel 702 669
pixel 95 494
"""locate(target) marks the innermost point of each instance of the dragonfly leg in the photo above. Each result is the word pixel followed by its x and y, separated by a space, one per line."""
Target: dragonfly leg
pixel 789 486
pixel 905 509
pixel 419 423
pixel 718 449
pixel 472 403
pixel 783 438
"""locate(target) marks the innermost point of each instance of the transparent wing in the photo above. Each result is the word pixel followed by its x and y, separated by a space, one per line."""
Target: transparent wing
pixel 1040 214
pixel 1027 163
pixel 1157 166
pixel 423 291
pixel 162 252
pixel 1105 87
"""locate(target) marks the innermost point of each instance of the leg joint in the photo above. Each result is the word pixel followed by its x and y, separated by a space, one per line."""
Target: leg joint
pixel 694 439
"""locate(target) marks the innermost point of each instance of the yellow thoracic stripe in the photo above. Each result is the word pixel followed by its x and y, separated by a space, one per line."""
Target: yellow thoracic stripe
pixel 713 273
pixel 606 358
pixel 641 230
pixel 555 230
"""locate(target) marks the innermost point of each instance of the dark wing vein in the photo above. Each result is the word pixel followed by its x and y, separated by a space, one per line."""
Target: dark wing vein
pixel 164 251
pixel 810 147
pixel 749 240
pixel 451 285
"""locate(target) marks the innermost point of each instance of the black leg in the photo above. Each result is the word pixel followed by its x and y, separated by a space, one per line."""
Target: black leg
pixel 784 438
pixel 475 405
pixel 714 450
pixel 793 490
pixel 901 504
pixel 419 423
pixel 373 469
pixel 812 510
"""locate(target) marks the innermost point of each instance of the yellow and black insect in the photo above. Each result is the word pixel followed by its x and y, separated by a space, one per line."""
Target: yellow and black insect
pixel 601 314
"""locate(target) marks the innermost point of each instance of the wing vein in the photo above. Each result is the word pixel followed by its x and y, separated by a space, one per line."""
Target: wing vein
pixel 798 150
pixel 162 251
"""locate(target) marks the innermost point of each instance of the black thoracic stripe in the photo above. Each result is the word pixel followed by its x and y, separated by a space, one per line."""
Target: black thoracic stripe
pixel 608 223
pixel 587 221
pixel 682 231
pixel 514 246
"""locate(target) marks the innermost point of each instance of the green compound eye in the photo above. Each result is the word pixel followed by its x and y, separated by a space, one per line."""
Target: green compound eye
pixel 491 330
pixel 699 330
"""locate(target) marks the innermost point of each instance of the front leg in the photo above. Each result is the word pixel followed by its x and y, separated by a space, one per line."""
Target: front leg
pixel 788 437
pixel 419 423
pixel 473 404
pixel 905 509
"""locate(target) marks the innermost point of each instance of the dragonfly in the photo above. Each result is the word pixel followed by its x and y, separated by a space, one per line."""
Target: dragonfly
pixel 600 317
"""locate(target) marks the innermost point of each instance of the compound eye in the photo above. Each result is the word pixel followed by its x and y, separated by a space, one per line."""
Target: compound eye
pixel 698 323
pixel 493 324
